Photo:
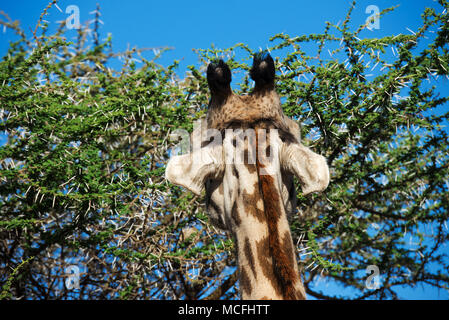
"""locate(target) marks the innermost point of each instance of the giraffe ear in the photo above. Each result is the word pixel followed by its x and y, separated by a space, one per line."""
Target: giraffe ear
pixel 309 167
pixel 192 170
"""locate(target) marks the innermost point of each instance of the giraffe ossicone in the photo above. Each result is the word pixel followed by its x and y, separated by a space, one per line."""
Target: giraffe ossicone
pixel 245 155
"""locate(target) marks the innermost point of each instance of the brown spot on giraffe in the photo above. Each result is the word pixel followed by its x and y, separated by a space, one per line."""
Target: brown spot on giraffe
pixel 288 245
pixel 251 167
pixel 250 204
pixel 245 282
pixel 235 172
pixel 249 255
pixel 235 214
pixel 266 263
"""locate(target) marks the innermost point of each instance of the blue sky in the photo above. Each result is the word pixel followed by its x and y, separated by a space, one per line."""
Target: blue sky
pixel 186 25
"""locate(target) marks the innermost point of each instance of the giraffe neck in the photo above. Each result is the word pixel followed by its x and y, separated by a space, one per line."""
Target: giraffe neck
pixel 266 260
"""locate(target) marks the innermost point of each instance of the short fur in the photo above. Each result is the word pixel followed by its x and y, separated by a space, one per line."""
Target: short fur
pixel 252 200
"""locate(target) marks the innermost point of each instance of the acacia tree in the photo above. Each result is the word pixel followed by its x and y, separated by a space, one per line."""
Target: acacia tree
pixel 82 172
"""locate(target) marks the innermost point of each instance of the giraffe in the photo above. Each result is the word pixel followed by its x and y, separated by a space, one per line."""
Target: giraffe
pixel 248 155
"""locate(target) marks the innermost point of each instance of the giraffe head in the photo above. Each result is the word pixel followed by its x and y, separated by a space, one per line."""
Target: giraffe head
pixel 247 153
